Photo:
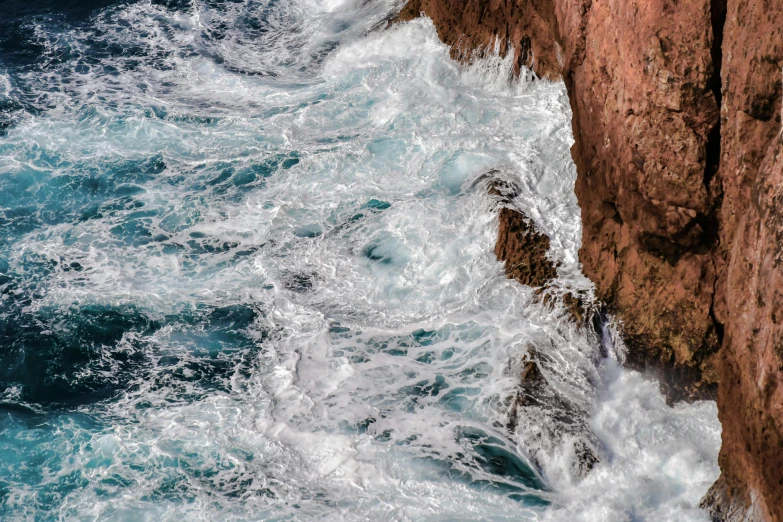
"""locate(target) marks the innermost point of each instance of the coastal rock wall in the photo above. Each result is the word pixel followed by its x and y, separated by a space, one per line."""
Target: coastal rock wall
pixel 639 80
pixel 677 127
pixel 750 289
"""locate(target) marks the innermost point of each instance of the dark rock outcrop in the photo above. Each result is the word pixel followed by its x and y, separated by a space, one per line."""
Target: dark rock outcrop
pixel 524 250
pixel 520 245
pixel 566 421
pixel 677 126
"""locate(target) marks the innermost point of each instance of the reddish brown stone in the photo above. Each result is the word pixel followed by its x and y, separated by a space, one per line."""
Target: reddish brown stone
pixel 638 76
pixel 644 108
pixel 524 27
pixel 524 250
pixel 522 247
pixel 681 210
pixel 750 298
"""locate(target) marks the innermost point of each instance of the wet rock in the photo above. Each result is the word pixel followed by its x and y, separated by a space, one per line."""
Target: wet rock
pixel 565 422
pixel 299 281
pixel 586 458
pixel 520 245
pixel 523 249
pixel 643 81
pixel 639 80
pixel 473 27
pixel 532 381
pixel 580 306
pixel 577 305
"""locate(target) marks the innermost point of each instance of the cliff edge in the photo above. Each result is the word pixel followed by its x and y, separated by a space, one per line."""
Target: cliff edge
pixel 679 154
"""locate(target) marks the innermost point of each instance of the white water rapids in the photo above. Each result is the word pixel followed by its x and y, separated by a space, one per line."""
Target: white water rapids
pixel 275 200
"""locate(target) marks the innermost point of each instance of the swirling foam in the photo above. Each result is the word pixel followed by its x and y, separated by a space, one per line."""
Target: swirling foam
pixel 251 227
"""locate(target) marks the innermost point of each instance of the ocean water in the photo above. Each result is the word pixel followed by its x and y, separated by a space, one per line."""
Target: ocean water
pixel 247 273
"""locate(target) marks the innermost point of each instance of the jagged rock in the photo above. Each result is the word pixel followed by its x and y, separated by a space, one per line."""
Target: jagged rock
pixel 520 245
pixel 581 307
pixel 532 381
pixel 577 306
pixel 566 422
pixel 642 86
pixel 471 26
pixel 524 250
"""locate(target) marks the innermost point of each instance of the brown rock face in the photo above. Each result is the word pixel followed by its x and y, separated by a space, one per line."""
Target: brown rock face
pixel 639 79
pixel 524 250
pixel 524 28
pixel 677 125
pixel 750 397
pixel 641 82
pixel 750 302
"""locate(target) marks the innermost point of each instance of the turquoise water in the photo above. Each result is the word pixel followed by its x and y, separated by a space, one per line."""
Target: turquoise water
pixel 246 275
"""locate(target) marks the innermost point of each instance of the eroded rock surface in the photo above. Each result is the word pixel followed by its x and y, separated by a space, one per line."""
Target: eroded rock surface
pixel 639 79
pixel 524 28
pixel 524 250
pixel 750 285
pixel 546 418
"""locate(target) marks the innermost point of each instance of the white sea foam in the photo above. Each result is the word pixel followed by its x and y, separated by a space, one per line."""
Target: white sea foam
pixel 319 173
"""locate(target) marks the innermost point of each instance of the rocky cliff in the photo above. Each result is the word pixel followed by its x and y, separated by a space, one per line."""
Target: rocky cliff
pixel 678 147
pixel 472 27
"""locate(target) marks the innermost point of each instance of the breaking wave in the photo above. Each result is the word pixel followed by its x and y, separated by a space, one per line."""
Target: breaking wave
pixel 246 274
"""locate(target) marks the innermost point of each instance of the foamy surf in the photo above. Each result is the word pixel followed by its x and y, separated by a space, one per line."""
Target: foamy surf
pixel 246 276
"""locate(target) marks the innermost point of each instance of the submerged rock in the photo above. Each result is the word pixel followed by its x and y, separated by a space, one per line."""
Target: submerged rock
pixel 547 418
pixel 299 281
pixel 549 421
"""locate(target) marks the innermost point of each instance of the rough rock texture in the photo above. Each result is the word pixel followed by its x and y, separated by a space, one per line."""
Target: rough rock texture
pixel 567 422
pixel 524 250
pixel 639 76
pixel 641 82
pixel 750 300
pixel 520 245
pixel 525 28
pixel 677 120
